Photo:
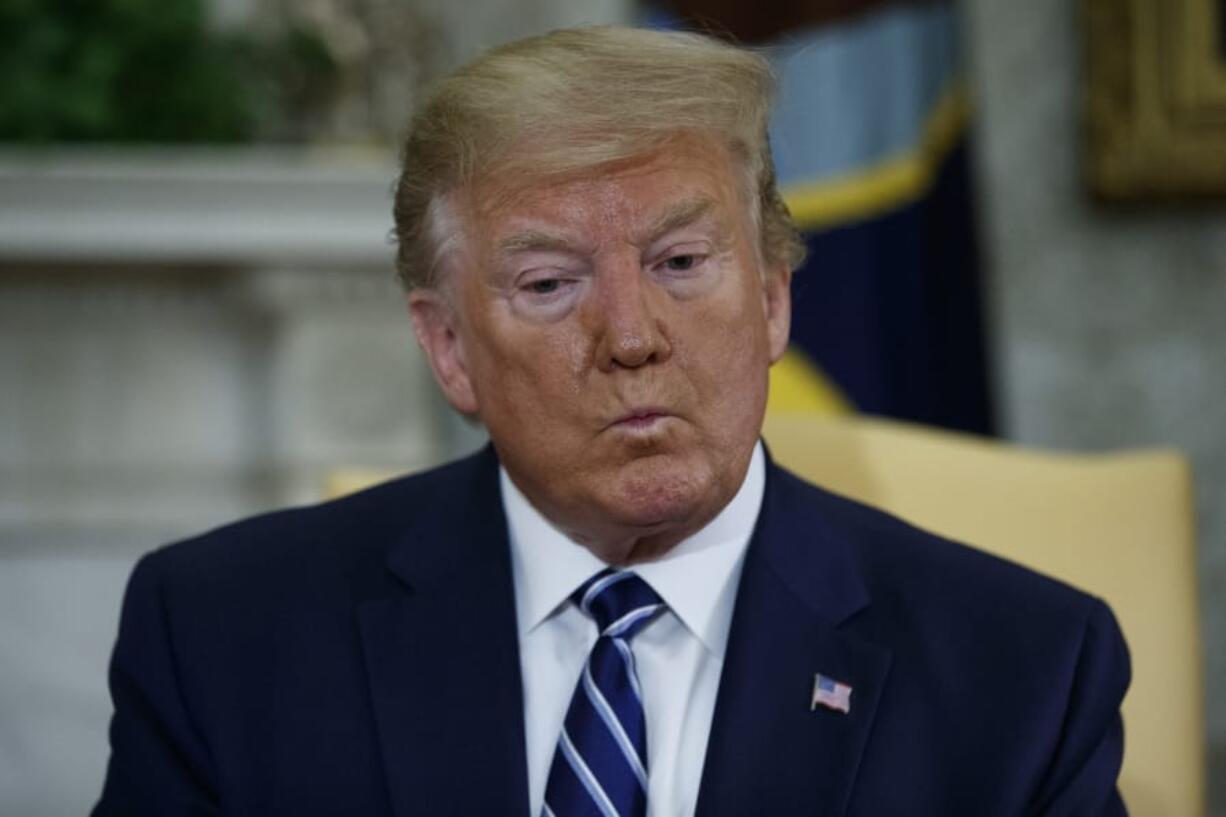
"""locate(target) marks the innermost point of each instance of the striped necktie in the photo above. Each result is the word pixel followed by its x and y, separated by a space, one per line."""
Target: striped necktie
pixel 600 765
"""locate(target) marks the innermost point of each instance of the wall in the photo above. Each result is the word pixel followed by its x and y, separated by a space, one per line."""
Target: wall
pixel 1110 329
pixel 178 334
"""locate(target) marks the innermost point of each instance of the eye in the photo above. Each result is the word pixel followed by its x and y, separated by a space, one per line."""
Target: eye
pixel 549 288
pixel 682 258
pixel 544 286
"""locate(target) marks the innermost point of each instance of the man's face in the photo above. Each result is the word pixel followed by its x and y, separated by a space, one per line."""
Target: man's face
pixel 613 332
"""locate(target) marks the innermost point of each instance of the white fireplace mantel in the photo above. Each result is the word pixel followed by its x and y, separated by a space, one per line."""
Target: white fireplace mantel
pixel 212 206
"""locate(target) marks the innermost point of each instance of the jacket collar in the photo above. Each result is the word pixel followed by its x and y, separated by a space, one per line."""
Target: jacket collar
pixel 456 527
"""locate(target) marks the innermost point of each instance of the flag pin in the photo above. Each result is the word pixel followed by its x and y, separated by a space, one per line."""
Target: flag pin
pixel 830 694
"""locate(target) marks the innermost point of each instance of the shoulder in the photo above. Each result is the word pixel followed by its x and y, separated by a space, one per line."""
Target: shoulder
pixel 933 595
pixel 900 561
pixel 341 541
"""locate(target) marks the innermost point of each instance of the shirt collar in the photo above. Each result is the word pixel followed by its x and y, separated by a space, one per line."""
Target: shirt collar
pixel 697 578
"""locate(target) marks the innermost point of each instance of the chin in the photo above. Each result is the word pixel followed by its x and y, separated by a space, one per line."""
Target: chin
pixel 662 490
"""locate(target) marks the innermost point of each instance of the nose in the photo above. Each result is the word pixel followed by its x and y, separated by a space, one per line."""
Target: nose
pixel 629 318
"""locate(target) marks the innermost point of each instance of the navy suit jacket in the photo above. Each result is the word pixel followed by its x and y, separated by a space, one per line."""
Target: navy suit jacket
pixel 361 658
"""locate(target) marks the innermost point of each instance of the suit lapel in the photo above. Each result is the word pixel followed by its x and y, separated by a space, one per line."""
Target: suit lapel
pixel 768 753
pixel 442 656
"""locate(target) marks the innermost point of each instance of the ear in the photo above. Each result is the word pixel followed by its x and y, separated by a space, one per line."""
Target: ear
pixel 777 300
pixel 436 325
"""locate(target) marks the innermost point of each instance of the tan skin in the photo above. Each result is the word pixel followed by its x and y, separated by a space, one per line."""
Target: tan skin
pixel 613 331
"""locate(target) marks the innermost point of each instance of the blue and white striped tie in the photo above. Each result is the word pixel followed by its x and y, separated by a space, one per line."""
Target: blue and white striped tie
pixel 600 765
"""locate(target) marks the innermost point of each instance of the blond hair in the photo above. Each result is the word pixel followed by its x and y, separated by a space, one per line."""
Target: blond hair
pixel 576 99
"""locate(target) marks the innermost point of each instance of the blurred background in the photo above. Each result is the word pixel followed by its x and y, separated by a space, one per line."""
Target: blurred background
pixel 198 319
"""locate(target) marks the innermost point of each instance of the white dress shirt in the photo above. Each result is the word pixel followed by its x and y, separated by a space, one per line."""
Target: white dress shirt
pixel 679 655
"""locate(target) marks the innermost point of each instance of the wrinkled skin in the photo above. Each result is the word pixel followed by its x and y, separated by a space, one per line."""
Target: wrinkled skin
pixel 613 331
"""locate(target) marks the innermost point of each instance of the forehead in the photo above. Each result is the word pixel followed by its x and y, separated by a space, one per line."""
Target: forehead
pixel 685 178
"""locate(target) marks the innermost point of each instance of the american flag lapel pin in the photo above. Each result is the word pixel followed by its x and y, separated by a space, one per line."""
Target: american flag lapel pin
pixel 830 694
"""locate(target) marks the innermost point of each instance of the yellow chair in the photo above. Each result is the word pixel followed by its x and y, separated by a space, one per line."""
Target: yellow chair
pixel 1119 526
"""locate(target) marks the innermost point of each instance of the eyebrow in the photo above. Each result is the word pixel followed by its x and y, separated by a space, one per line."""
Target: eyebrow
pixel 682 214
pixel 533 241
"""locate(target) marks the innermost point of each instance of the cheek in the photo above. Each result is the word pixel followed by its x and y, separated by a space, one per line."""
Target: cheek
pixel 524 373
pixel 732 332
pixel 728 353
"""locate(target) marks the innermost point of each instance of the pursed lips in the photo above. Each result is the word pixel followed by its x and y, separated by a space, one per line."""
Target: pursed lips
pixel 640 417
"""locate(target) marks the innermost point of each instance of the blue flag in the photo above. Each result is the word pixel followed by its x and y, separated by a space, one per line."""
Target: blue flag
pixel 870 143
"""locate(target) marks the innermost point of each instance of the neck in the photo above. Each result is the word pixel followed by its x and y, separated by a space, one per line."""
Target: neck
pixel 635 547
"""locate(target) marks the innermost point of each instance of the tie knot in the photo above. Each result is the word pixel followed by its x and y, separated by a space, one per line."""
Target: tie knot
pixel 619 600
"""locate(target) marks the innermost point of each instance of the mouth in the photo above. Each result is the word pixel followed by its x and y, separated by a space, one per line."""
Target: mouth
pixel 640 419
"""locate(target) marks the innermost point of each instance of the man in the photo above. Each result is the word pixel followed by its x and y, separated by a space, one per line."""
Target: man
pixel 620 606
